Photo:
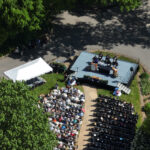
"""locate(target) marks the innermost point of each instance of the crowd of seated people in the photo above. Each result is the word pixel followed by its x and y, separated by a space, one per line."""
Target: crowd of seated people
pixel 107 61
pixel 114 125
pixel 66 108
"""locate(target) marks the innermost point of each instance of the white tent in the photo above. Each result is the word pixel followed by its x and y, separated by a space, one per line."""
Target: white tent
pixel 29 70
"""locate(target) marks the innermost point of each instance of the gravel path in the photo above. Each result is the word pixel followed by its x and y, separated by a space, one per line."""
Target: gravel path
pixel 90 95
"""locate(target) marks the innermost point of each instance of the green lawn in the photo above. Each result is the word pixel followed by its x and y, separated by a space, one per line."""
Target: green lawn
pixel 79 87
pixel 145 84
pixel 133 97
pixel 51 79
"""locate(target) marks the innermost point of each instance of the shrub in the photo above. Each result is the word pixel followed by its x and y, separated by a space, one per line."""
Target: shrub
pixel 141 141
pixel 147 108
pixel 145 84
pixel 146 125
pixel 144 75
pixel 58 67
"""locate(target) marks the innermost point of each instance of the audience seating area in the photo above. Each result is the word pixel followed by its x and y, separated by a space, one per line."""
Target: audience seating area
pixel 114 125
pixel 66 111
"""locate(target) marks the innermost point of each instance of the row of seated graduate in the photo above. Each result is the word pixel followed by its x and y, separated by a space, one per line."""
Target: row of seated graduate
pixel 114 125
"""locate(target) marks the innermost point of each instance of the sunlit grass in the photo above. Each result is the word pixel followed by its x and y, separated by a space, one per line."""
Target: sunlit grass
pixel 51 80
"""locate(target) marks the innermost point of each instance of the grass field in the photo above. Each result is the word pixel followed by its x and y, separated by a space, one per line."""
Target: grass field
pixel 79 87
pixel 145 84
pixel 51 80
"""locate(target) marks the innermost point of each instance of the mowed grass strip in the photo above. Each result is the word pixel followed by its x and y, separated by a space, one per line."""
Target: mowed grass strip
pixel 145 83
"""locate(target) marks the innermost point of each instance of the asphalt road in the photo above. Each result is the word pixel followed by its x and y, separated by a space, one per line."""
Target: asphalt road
pixel 73 32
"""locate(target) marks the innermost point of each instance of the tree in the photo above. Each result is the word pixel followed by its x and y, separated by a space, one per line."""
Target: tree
pixel 146 125
pixel 147 109
pixel 141 141
pixel 23 126
pixel 123 4
pixel 69 4
pixel 20 15
pixel 128 4
pixel 142 138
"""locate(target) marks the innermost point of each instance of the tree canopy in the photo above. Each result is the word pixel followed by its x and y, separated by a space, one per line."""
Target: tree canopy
pixel 147 109
pixel 57 5
pixel 142 138
pixel 20 15
pixel 146 123
pixel 123 4
pixel 23 126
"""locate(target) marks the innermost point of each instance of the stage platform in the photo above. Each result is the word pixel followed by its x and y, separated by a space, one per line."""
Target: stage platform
pixel 125 76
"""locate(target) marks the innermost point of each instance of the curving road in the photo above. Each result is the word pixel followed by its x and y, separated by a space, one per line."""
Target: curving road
pixel 73 32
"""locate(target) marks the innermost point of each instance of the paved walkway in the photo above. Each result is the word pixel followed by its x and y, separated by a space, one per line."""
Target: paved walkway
pixel 90 95
pixel 124 33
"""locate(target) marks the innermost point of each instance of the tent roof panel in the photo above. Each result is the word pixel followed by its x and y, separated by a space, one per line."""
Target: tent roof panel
pixel 29 70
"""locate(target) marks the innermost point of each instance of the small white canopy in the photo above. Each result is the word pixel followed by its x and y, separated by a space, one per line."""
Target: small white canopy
pixel 29 70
